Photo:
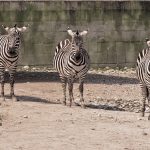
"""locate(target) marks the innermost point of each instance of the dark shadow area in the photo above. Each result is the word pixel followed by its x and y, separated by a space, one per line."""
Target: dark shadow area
pixel 45 101
pixel 105 107
pixel 42 100
pixel 22 77
pixel 91 106
pixel 109 79
pixel 36 99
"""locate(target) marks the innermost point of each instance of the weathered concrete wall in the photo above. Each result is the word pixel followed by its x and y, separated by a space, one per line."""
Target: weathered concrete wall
pixel 116 35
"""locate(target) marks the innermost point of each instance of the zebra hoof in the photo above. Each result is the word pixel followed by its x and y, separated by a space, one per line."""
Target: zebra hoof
pixel 64 103
pixel 83 106
pixel 2 99
pixel 14 99
pixel 75 104
pixel 142 114
pixel 149 117
pixel 70 104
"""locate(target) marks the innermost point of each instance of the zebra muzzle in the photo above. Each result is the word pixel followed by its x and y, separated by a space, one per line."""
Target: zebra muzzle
pixel 12 50
pixel 77 55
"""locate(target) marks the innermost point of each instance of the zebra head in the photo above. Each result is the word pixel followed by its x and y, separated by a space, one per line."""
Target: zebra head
pixel 77 37
pixel 14 37
pixel 77 42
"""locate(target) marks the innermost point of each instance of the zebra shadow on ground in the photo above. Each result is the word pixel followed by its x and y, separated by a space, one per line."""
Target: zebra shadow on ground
pixel 35 99
pixel 23 98
pixel 100 106
pixel 105 107
pixel 22 77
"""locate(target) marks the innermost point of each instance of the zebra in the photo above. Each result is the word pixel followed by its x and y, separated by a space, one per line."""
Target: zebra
pixel 9 45
pixel 148 42
pixel 72 62
pixel 143 74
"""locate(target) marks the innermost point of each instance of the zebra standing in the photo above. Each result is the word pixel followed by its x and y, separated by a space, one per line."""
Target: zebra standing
pixel 9 45
pixel 72 62
pixel 143 74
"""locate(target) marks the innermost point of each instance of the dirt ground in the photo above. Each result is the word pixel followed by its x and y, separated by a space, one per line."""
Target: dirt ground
pixel 111 120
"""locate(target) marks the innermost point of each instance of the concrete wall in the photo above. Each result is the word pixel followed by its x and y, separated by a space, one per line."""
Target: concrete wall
pixel 116 35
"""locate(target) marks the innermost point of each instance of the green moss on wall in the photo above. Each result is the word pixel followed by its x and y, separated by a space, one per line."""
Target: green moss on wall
pixel 116 35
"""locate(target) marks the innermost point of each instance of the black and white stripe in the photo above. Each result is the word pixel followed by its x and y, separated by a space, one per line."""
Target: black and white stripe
pixel 143 74
pixel 9 45
pixel 72 62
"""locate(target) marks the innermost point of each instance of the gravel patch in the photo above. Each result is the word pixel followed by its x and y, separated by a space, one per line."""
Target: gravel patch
pixel 111 89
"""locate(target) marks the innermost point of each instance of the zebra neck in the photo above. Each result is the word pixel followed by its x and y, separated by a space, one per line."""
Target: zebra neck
pixel 148 53
pixel 13 41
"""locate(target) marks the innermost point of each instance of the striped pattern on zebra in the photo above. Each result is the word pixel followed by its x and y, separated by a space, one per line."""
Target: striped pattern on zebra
pixel 9 45
pixel 72 62
pixel 143 74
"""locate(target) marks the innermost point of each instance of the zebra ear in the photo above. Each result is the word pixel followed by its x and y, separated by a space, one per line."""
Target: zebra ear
pixel 147 39
pixel 6 28
pixel 83 32
pixel 70 32
pixel 22 29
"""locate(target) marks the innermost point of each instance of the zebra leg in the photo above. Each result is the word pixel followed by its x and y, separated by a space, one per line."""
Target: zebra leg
pixel 2 85
pixel 149 108
pixel 70 88
pixel 145 95
pixel 12 81
pixel 81 93
pixel 64 83
pixel 149 103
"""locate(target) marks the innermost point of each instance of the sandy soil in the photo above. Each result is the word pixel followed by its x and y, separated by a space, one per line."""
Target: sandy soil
pixel 39 122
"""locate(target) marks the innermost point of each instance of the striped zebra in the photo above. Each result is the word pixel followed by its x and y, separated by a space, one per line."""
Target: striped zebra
pixel 143 74
pixel 9 45
pixel 72 62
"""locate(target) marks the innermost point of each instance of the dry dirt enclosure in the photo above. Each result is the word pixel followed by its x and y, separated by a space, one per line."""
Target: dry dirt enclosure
pixel 38 121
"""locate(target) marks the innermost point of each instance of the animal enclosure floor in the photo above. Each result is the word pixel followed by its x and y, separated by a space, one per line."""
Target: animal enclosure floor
pixel 39 122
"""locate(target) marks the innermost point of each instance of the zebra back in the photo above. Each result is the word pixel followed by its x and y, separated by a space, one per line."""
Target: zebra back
pixel 142 55
pixel 62 45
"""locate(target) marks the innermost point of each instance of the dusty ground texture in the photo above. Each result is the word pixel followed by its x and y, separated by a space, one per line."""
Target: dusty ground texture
pixel 38 121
